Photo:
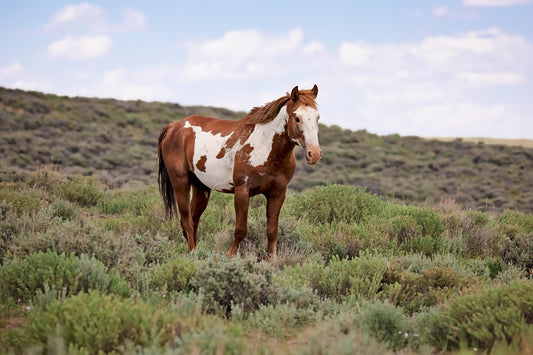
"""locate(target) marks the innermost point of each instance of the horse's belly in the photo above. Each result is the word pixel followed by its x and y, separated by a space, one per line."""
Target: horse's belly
pixel 216 176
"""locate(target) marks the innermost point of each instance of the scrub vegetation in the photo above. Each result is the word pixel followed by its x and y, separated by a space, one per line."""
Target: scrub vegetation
pixel 389 245
pixel 88 269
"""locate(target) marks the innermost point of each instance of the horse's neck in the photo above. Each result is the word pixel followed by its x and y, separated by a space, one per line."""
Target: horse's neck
pixel 274 132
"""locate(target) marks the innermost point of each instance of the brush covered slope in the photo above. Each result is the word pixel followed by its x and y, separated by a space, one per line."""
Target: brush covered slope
pixel 115 141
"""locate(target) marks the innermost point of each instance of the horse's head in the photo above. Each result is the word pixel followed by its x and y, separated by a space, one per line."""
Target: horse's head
pixel 303 122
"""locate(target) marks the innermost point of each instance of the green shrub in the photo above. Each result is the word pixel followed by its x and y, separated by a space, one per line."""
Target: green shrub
pixel 40 272
pixel 415 287
pixel 47 178
pixel 341 240
pixel 8 225
pixel 481 319
pixel 93 323
pixel 336 203
pixel 472 234
pixel 22 201
pixel 425 245
pixel 386 323
pixel 408 221
pixel 81 190
pixel 241 282
pixel 94 275
pixel 495 267
pixel 135 202
pixel 289 238
pixel 360 276
pixel 22 278
pixel 522 222
pixel 65 209
pixel 518 250
pixel 174 275
pixel 281 320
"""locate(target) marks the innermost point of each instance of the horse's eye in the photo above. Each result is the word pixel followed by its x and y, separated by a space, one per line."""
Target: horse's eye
pixel 297 119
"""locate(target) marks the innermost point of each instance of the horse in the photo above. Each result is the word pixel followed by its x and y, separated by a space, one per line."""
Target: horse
pixel 247 157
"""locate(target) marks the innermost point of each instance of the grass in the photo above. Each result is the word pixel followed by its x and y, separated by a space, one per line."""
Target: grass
pixel 86 268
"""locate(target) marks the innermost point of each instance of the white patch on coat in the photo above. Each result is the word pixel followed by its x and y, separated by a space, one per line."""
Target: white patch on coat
pixel 262 137
pixel 218 174
pixel 309 117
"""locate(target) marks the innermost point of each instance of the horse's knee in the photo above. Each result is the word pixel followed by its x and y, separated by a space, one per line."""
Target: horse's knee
pixel 240 233
pixel 272 233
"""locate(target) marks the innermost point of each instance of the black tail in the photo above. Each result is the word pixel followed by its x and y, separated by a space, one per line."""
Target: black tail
pixel 165 186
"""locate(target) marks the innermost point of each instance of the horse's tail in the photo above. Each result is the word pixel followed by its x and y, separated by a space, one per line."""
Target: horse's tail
pixel 163 179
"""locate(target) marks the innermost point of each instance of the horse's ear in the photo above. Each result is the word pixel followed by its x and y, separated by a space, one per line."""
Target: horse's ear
pixel 294 94
pixel 314 91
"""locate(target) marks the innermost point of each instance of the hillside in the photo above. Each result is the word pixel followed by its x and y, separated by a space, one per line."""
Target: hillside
pixel 115 141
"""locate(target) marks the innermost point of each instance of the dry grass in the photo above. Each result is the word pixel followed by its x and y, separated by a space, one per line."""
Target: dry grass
pixel 526 143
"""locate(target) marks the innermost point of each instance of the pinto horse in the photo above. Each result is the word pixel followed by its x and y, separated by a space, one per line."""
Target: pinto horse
pixel 247 157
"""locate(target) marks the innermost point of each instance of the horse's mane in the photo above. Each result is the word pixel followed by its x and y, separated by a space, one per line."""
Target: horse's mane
pixel 266 113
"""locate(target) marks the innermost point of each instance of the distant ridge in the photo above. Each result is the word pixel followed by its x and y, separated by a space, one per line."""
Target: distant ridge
pixel 115 141
pixel 527 143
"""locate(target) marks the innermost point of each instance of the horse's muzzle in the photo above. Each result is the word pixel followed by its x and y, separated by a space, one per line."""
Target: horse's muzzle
pixel 313 155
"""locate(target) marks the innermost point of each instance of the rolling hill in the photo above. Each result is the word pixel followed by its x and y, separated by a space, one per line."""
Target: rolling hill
pixel 115 141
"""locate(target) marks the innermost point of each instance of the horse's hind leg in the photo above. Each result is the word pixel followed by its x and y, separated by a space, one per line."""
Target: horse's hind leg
pixel 182 188
pixel 200 198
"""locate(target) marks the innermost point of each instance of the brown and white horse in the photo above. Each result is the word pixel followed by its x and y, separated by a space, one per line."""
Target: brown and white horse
pixel 247 157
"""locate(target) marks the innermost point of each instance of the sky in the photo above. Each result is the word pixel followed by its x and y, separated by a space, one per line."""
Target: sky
pixel 459 68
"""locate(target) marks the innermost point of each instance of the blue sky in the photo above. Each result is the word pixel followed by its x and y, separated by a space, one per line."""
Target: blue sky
pixel 429 68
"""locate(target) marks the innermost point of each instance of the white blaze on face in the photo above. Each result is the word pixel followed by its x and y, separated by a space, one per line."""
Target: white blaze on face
pixel 218 174
pixel 309 118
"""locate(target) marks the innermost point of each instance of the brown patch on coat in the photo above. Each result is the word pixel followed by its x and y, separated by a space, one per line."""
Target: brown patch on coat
pixel 240 135
pixel 222 152
pixel 201 163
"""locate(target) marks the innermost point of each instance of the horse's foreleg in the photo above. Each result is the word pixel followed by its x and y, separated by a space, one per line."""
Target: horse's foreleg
pixel 274 203
pixel 242 202
pixel 200 198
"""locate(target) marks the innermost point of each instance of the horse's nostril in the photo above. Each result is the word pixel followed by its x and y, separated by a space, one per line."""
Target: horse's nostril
pixel 309 153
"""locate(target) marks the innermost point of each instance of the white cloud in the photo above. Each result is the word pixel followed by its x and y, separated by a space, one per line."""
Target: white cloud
pixel 83 47
pixel 440 11
pixel 83 15
pixel 247 54
pixel 496 2
pixel 133 20
pixel 313 47
pixel 12 70
pixel 86 33
pixel 86 17
pixel 441 85
pixel 492 79
pixel 356 54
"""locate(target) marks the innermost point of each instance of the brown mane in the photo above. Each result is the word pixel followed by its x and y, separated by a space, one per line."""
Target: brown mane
pixel 266 113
